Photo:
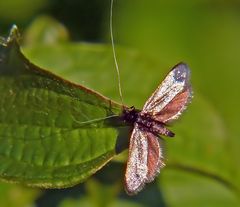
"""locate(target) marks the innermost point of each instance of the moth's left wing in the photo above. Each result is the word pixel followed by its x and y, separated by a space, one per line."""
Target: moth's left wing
pixel 144 160
pixel 171 97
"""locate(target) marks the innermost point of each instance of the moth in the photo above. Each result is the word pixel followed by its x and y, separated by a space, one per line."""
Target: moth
pixel 166 104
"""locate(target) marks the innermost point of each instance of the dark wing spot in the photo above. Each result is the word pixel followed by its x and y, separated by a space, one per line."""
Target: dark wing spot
pixel 181 72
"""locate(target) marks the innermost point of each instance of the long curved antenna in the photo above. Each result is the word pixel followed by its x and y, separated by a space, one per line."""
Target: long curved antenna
pixel 114 52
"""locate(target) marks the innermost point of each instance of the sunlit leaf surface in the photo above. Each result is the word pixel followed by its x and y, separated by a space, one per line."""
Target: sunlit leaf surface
pixel 53 133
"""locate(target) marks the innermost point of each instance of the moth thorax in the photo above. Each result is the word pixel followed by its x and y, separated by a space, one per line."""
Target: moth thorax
pixel 130 115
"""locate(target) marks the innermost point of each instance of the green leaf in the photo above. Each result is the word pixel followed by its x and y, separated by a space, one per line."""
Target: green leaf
pixel 53 133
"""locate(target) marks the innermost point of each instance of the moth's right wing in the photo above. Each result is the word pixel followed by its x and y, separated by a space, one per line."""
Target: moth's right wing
pixel 171 97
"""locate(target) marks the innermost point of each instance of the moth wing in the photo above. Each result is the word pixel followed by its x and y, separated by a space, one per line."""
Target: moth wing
pixel 155 156
pixel 144 160
pixel 171 97
pixel 174 108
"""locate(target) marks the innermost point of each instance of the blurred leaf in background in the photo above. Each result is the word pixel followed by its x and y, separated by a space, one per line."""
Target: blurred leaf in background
pixel 15 195
pixel 45 30
pixel 203 160
pixel 206 35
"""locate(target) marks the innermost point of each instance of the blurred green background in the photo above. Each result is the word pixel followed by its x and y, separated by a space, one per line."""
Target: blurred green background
pixel 203 167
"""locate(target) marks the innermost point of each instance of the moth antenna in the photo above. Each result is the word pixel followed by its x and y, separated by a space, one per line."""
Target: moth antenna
pixel 114 52
pixel 95 120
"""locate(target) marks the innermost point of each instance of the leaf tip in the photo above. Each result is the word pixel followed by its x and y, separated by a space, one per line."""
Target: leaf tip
pixel 14 36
